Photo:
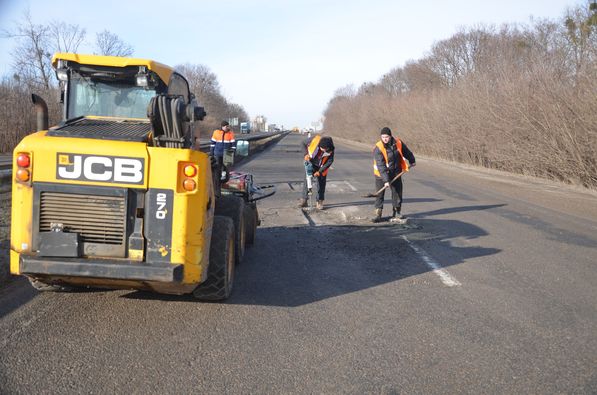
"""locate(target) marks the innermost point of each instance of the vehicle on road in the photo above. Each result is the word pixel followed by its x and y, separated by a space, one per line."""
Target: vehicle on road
pixel 114 196
pixel 245 127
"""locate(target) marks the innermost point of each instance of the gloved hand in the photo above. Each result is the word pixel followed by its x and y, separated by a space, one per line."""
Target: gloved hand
pixel 307 157
pixel 316 174
pixel 387 184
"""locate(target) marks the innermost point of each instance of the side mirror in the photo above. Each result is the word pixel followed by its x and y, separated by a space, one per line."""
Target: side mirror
pixel 242 148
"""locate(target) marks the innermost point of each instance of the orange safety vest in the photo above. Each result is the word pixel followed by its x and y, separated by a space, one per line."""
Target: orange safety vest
pixel 222 137
pixel 313 151
pixel 403 163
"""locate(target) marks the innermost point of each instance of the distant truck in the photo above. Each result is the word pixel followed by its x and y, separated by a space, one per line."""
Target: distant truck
pixel 245 127
pixel 272 127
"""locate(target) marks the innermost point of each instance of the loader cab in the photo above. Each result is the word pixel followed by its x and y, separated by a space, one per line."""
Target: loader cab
pixel 101 93
pixel 106 86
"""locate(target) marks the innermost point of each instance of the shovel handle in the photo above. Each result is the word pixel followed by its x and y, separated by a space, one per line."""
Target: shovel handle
pixel 390 183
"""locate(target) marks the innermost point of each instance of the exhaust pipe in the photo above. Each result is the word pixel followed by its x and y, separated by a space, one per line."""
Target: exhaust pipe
pixel 41 109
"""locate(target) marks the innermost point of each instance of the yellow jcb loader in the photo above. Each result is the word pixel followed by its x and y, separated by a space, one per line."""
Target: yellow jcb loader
pixel 116 196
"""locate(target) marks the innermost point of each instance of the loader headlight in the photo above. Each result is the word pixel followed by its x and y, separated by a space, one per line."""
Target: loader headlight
pixel 142 80
pixel 62 74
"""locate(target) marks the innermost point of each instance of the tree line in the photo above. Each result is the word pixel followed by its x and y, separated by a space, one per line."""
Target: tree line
pixel 519 98
pixel 31 72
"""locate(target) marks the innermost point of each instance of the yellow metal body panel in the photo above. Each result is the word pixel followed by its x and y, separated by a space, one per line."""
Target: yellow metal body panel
pixel 47 150
pixel 160 69
pixel 193 211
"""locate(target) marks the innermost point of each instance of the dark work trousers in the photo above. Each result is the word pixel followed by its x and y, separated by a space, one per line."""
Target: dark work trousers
pixel 396 189
pixel 217 176
pixel 318 185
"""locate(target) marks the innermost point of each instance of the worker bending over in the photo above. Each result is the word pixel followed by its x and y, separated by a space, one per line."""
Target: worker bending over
pixel 319 154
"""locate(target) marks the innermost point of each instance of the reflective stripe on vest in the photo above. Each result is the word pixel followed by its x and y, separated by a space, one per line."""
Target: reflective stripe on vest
pixel 313 151
pixel 219 136
pixel 382 148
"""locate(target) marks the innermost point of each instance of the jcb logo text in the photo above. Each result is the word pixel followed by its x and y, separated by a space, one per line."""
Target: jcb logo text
pixel 99 168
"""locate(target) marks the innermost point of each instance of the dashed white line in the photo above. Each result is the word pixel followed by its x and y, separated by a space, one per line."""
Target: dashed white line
pixel 352 188
pixel 443 274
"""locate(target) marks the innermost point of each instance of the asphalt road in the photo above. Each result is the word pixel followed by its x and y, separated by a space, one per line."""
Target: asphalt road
pixel 489 288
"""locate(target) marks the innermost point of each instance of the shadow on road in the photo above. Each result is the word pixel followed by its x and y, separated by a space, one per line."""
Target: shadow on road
pixel 371 201
pixel 294 266
pixel 451 210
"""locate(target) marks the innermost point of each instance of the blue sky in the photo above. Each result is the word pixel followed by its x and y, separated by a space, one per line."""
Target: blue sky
pixel 282 59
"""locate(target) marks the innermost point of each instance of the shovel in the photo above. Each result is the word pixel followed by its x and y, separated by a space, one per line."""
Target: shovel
pixel 369 195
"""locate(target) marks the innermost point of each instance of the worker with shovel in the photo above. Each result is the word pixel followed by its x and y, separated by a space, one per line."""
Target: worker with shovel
pixel 390 157
pixel 319 156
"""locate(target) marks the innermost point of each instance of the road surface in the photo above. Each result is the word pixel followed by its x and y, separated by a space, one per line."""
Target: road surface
pixel 489 288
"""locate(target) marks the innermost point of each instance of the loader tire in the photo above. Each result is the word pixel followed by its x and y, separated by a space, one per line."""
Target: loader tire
pixel 220 273
pixel 251 220
pixel 45 287
pixel 234 207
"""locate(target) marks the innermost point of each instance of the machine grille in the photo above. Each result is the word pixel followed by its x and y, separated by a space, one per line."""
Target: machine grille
pixel 105 130
pixel 97 219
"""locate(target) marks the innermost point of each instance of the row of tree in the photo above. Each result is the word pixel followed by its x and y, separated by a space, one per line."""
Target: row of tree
pixel 515 98
pixel 32 73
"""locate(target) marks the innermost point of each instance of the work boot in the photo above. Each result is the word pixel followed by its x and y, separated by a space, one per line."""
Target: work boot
pixel 396 217
pixel 377 217
pixel 302 203
pixel 319 205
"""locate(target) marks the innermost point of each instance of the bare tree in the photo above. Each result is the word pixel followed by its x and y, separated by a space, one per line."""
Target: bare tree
pixel 31 56
pixel 394 82
pixel 66 37
pixel 110 44
pixel 204 84
pixel 345 91
pixel 581 34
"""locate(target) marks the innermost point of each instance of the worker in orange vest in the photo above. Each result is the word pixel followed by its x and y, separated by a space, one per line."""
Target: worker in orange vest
pixel 390 157
pixel 222 140
pixel 319 156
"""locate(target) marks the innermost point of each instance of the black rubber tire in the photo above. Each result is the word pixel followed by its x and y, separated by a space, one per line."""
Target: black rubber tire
pixel 234 208
pixel 251 218
pixel 45 287
pixel 220 273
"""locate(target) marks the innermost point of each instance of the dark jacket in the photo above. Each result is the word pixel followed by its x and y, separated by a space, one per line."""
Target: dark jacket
pixel 393 168
pixel 316 161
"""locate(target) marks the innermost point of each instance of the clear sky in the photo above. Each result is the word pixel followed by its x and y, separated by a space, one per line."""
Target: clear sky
pixel 282 59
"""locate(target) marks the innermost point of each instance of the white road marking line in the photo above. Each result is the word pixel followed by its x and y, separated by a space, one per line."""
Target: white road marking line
pixel 350 186
pixel 443 274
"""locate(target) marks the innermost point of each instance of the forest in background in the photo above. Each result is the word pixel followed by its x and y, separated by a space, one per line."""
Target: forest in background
pixel 516 98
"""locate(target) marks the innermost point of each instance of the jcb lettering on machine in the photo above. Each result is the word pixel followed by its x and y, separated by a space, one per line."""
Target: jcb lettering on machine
pixel 95 168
